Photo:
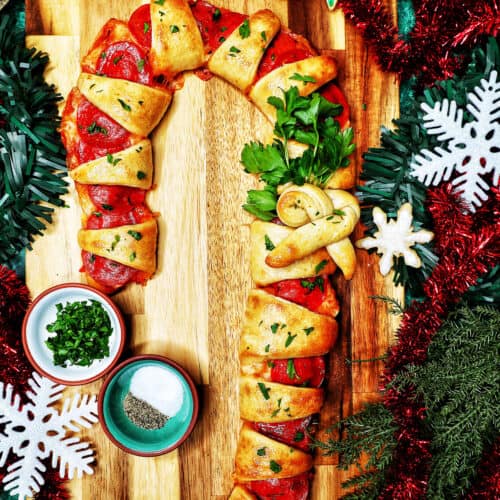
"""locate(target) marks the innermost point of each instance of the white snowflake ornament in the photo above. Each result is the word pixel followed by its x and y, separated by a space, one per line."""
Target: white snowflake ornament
pixel 473 149
pixel 36 430
pixel 395 238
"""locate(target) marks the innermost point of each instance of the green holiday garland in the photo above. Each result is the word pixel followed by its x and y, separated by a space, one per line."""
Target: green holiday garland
pixel 32 158
pixel 386 169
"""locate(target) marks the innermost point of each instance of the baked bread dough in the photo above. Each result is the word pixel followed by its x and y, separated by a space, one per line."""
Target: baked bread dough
pixel 278 329
pixel 132 245
pixel 238 58
pixel 316 263
pixel 131 167
pixel 264 401
pixel 241 493
pixel 176 43
pixel 136 107
pixel 260 457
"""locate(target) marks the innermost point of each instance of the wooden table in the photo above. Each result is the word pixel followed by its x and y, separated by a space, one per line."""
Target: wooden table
pixel 193 308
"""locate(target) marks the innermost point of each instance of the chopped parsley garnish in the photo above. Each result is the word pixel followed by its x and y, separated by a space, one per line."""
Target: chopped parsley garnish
pixel 103 55
pixel 106 206
pixel 124 105
pixel 290 339
pixel 132 256
pixel 267 347
pixel 274 327
pixel 233 51
pixel 217 14
pixel 299 436
pixel 93 128
pixel 309 120
pixel 264 390
pixel 135 234
pixel 303 78
pixel 159 2
pixel 146 27
pixel 270 363
pixel 320 266
pixel 111 159
pixel 117 59
pixel 97 214
pixel 318 282
pixel 115 242
pixel 275 466
pixel 290 369
pixel 269 244
pixel 263 36
pixel 261 451
pixel 140 64
pixel 174 28
pixel 82 333
pixel 244 29
pixel 308 330
pixel 222 39
pixel 141 175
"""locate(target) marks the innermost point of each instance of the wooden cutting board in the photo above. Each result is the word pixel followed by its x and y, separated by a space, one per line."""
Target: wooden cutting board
pixel 192 309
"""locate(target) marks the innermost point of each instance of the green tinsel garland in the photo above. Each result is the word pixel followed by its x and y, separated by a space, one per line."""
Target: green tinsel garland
pixel 386 169
pixel 32 158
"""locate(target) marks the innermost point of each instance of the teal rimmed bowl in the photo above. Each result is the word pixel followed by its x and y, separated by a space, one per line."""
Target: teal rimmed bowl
pixel 129 436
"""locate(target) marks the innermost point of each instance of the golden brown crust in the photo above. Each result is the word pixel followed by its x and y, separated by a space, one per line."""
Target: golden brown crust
pixel 136 107
pixel 278 329
pixel 133 245
pixel 131 167
pixel 260 457
pixel 264 401
pixel 241 493
pixel 176 43
pixel 318 262
pixel 321 69
pixel 238 58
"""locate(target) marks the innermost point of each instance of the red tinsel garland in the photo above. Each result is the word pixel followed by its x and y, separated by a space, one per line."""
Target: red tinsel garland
pixel 14 366
pixel 440 27
pixel 468 245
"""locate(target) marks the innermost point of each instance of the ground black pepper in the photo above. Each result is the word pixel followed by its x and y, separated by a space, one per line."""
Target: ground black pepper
pixel 143 414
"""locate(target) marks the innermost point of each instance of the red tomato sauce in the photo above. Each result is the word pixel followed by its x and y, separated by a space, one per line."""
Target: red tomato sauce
pixel 333 94
pixel 306 372
pixel 117 206
pixel 290 488
pixel 139 25
pixel 215 23
pixel 311 293
pixel 287 47
pixel 109 274
pixel 125 60
pixel 99 133
pixel 297 433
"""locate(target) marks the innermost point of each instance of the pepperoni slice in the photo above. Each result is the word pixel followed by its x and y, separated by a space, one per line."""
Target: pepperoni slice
pixel 215 23
pixel 333 94
pixel 296 433
pixel 110 274
pixel 117 206
pixel 125 60
pixel 290 488
pixel 139 25
pixel 309 372
pixel 99 133
pixel 316 294
pixel 287 47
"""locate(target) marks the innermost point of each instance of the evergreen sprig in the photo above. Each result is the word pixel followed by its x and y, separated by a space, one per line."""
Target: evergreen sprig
pixel 369 433
pixel 460 388
pixel 386 169
pixel 32 158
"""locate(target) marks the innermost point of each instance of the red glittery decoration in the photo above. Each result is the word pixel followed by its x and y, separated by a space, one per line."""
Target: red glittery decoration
pixel 468 246
pixel 14 366
pixel 440 27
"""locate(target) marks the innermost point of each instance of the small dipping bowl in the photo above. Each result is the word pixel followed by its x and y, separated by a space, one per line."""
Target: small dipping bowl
pixel 131 437
pixel 43 312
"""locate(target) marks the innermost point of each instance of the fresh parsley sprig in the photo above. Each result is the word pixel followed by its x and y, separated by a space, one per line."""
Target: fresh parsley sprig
pixel 309 120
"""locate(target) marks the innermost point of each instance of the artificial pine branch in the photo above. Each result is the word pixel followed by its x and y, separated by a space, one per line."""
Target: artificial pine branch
pixel 460 386
pixel 386 169
pixel 32 158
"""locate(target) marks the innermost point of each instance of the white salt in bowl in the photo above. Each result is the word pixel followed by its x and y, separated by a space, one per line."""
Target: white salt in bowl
pixel 43 311
pixel 163 385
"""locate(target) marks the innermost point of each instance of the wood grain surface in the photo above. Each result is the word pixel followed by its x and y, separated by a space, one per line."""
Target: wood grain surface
pixel 192 309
